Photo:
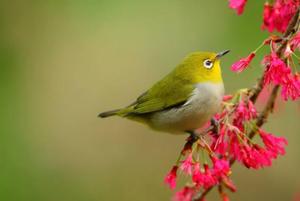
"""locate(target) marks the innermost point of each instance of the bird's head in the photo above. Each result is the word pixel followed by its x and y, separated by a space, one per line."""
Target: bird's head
pixel 201 67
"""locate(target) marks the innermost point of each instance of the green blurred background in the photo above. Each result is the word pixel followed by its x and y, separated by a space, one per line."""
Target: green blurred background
pixel 64 61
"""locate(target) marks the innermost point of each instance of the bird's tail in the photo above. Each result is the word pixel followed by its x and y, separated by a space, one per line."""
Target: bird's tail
pixel 108 113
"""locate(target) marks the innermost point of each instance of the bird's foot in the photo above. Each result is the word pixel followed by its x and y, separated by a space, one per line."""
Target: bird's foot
pixel 215 126
pixel 193 136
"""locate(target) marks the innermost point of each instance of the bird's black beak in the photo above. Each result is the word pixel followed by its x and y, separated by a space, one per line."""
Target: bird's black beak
pixel 220 54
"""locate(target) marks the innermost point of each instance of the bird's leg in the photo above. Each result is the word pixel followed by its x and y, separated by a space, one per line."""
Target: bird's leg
pixel 190 141
pixel 193 136
pixel 215 126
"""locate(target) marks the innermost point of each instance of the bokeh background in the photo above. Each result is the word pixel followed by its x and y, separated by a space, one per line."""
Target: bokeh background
pixel 63 62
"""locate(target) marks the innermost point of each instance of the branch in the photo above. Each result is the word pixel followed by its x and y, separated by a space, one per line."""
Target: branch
pixel 256 90
pixel 265 113
pixel 291 29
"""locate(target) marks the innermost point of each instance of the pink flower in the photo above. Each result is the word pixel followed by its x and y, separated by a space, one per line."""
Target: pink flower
pixel 208 178
pixel 291 88
pixel 252 157
pixel 276 145
pixel 238 5
pixel 187 165
pixel 219 143
pixel 268 17
pixel 205 179
pixel 197 176
pixel 227 97
pixel 242 154
pixel 278 15
pixel 170 179
pixel 261 157
pixel 185 194
pixel 244 112
pixel 220 167
pixel 243 63
pixel 277 71
pixel 246 157
pixel 255 156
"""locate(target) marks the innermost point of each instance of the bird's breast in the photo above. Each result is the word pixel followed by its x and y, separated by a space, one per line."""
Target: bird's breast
pixel 203 103
pixel 206 93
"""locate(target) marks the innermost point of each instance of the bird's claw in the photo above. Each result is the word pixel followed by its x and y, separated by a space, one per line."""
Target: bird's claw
pixel 215 126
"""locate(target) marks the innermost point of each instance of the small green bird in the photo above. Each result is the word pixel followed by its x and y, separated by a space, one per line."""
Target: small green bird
pixel 182 101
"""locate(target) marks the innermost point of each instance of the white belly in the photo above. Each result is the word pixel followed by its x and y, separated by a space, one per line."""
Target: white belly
pixel 203 104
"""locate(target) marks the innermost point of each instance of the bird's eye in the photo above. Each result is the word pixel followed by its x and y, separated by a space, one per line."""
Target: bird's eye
pixel 208 64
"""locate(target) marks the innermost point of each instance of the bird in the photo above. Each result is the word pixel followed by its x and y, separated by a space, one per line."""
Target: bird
pixel 184 100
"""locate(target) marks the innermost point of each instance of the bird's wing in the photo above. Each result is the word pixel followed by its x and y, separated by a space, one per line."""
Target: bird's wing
pixel 167 93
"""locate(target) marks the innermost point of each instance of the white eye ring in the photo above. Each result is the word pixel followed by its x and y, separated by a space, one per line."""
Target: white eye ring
pixel 208 64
